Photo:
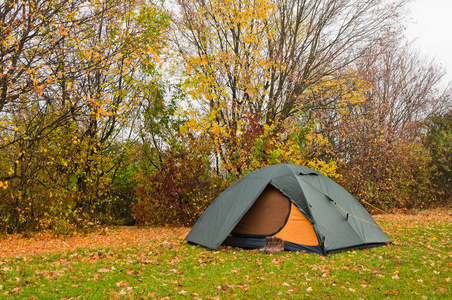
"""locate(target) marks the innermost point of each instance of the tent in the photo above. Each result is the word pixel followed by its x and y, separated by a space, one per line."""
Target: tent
pixel 306 209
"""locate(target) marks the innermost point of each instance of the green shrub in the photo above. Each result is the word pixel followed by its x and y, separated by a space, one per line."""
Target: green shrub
pixel 439 142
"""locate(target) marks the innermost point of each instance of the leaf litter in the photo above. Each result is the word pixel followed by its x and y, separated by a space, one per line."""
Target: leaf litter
pixel 16 245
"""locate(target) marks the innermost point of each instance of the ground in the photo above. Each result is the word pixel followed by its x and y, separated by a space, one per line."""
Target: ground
pixel 156 263
pixel 17 245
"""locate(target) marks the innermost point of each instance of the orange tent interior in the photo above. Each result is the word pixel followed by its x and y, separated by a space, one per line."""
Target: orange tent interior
pixel 273 214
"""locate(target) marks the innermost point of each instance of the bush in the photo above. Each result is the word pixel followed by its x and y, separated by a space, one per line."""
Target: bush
pixel 439 142
pixel 391 176
pixel 178 192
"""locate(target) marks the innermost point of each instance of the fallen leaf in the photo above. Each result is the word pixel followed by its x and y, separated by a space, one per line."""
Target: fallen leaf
pixel 103 270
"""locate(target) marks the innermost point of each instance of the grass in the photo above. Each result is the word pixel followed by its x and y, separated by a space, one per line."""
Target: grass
pixel 417 266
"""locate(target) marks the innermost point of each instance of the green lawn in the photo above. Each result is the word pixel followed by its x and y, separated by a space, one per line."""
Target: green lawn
pixel 417 266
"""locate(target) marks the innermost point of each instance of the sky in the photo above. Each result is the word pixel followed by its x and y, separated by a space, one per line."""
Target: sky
pixel 431 26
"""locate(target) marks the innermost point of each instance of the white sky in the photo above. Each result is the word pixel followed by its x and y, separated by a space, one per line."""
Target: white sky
pixel 431 25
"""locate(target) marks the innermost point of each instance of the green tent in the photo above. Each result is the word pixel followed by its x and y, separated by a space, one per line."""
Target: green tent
pixel 308 210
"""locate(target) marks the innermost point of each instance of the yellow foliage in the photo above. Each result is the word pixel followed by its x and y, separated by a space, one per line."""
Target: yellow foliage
pixel 340 91
pixel 252 145
pixel 327 168
pixel 4 184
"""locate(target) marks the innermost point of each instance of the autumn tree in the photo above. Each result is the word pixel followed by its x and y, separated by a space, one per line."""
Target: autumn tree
pixel 66 135
pixel 30 30
pixel 259 58
pixel 379 140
